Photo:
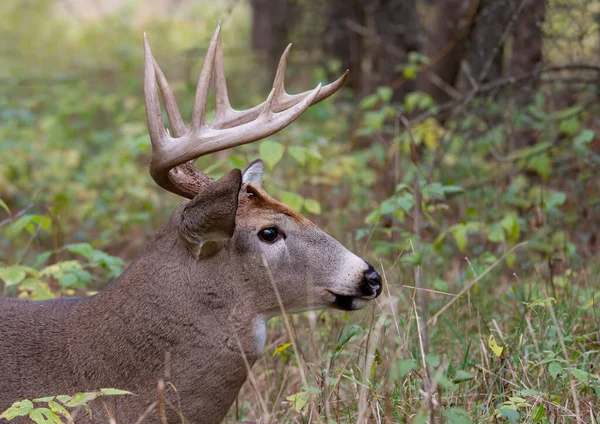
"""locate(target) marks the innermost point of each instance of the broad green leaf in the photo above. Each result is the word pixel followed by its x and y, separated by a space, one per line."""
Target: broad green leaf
pixel 81 399
pixel 271 152
pixel 496 233
pixel 405 366
pixel 18 409
pixel 12 275
pixel 63 398
pixel 456 416
pixel 583 138
pixel 293 200
pixel 84 249
pixel 298 400
pixel 540 164
pixel 44 416
pixel 18 225
pixel 580 375
pixel 494 346
pixel 461 376
pixel 385 93
pixel 59 409
pixel 554 368
pixel 312 206
pixel 281 349
pixel 369 102
pixel 510 414
pixel 298 153
pixel 459 231
pixel 570 126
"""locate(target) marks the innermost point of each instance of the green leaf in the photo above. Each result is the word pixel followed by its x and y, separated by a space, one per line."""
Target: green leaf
pixel 18 409
pixel 510 223
pixel 113 392
pixel 554 368
pixel 81 399
pixel 494 346
pixel 369 102
pixel 456 416
pixel 580 375
pixel 84 249
pixel 59 409
pixel 4 206
pixel 540 164
pixel 347 334
pixel 271 152
pixel 12 275
pixel 43 399
pixel 510 414
pixel 459 231
pixel 312 206
pixel 570 126
pixel 461 377
pixel 44 416
pixel 496 233
pixel 584 137
pixel 538 413
pixel 281 349
pixel 63 398
pixel 293 200
pixel 298 153
pixel 298 400
pixel 18 225
pixel 385 93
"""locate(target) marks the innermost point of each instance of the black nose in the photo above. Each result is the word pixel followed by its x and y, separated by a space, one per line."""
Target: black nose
pixel 371 282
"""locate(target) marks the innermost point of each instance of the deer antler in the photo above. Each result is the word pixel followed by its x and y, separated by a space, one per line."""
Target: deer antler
pixel 173 155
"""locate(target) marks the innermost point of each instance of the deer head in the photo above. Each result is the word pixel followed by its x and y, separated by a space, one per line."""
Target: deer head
pixel 287 256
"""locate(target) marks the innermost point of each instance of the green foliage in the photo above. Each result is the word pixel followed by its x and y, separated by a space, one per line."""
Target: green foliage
pixel 53 409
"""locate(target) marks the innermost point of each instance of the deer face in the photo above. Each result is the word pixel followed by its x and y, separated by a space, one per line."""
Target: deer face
pixel 284 259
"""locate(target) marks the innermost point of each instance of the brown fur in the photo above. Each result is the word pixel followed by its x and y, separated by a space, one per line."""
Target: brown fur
pixel 186 311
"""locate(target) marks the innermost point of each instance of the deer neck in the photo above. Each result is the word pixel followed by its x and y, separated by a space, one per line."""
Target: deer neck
pixel 170 315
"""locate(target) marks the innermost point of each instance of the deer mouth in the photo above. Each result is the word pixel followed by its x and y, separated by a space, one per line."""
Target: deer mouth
pixel 348 303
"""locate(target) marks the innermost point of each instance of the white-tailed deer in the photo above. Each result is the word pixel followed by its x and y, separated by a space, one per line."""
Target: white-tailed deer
pixel 191 309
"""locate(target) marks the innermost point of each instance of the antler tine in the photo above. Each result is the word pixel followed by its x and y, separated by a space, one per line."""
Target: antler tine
pixel 223 109
pixel 281 101
pixel 199 112
pixel 156 126
pixel 178 127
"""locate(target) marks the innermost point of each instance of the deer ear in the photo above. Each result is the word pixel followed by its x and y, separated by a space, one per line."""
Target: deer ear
pixel 210 216
pixel 253 172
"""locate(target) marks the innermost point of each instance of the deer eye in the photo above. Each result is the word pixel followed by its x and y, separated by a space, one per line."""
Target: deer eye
pixel 269 235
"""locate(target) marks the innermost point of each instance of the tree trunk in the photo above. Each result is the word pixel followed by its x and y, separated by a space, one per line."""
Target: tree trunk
pixel 527 47
pixel 485 52
pixel 395 24
pixel 343 44
pixel 446 49
pixel 270 29
pixel 526 57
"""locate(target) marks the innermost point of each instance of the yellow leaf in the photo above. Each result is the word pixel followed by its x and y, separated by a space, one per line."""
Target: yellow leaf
pixel 281 349
pixel 299 400
pixel 494 346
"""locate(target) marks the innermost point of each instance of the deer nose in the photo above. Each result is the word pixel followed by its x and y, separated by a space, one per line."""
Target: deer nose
pixel 371 282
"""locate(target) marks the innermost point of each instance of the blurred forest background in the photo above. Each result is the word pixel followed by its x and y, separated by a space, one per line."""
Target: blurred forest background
pixel 462 157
